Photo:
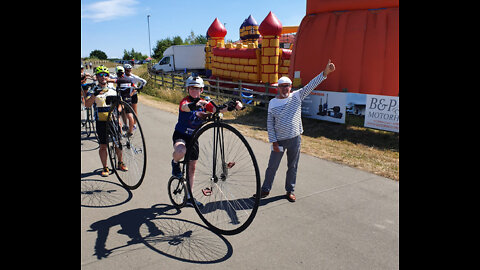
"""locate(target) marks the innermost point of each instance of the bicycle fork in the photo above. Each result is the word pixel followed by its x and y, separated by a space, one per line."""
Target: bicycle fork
pixel 219 149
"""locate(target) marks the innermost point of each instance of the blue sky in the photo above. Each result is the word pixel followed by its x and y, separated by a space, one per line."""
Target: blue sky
pixel 115 25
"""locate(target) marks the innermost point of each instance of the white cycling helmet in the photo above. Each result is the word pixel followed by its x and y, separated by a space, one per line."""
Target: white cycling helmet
pixel 194 81
pixel 127 66
pixel 119 69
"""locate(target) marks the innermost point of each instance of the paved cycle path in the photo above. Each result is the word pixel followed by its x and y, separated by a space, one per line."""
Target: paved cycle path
pixel 343 218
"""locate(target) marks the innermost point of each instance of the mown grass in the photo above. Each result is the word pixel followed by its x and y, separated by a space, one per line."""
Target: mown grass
pixel 375 151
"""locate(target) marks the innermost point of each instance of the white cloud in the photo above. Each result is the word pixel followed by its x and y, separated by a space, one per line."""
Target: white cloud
pixel 109 10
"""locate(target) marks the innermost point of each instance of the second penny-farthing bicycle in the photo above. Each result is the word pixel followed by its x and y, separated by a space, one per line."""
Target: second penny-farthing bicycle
pixel 226 176
pixel 130 141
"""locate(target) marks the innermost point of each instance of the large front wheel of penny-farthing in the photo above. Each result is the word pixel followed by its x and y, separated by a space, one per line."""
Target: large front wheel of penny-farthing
pixel 132 145
pixel 226 176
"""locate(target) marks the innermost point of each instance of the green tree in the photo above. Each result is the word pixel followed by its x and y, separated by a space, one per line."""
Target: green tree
pixel 200 39
pixel 129 55
pixel 98 54
pixel 193 39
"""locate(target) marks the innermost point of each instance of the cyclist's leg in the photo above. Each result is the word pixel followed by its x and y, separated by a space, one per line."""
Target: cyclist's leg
pixel 102 141
pixel 179 150
pixel 119 154
pixel 193 163
pixel 191 172
pixel 122 118
pixel 134 104
pixel 131 122
pixel 102 152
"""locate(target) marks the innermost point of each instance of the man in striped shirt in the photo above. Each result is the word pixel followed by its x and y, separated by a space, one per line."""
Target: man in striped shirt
pixel 284 126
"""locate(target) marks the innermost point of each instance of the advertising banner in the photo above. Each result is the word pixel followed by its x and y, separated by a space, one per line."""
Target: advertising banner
pixel 325 105
pixel 382 112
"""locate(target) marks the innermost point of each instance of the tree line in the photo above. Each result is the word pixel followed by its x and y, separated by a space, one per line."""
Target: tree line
pixel 160 46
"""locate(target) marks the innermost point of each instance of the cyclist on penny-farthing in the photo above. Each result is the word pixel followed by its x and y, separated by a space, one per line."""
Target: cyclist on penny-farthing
pixel 126 86
pixel 192 112
pixel 98 95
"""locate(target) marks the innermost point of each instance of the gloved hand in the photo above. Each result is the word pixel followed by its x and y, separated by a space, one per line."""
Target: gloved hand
pixel 97 91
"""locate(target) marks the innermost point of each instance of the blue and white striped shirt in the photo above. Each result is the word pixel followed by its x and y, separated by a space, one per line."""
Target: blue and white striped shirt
pixel 284 115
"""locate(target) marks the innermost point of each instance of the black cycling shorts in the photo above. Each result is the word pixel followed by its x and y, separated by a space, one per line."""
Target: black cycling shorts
pixel 101 129
pixel 187 138
pixel 135 99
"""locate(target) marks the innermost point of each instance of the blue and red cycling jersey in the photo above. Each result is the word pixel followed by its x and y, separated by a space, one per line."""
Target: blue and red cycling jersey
pixel 189 121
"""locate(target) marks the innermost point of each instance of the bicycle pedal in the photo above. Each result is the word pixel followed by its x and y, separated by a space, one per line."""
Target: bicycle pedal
pixel 207 191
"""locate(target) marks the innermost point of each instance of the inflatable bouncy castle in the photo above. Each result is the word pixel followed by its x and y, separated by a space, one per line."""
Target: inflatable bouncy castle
pixel 359 36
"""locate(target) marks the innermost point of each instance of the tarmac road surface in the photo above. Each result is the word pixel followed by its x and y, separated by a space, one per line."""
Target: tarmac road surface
pixel 343 218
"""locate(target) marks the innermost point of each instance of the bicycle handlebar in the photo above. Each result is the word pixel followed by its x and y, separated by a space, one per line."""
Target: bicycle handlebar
pixel 215 116
pixel 129 87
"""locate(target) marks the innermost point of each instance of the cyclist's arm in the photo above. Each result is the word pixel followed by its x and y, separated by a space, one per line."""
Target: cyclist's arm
pixel 186 106
pixel 138 79
pixel 90 99
pixel 233 105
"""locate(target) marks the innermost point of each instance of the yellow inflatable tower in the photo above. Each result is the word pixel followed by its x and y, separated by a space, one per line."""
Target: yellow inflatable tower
pixel 270 29
pixel 249 31
pixel 215 39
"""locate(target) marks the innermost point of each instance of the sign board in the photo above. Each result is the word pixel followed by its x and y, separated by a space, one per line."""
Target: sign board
pixel 382 112
pixel 325 105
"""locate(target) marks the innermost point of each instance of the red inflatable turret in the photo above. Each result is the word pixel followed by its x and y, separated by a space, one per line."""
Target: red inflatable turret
pixel 270 26
pixel 217 29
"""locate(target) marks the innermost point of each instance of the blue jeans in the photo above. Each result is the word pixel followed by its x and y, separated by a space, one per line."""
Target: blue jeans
pixel 292 147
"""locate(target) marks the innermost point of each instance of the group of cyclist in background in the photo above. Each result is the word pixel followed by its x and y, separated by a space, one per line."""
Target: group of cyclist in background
pixel 96 95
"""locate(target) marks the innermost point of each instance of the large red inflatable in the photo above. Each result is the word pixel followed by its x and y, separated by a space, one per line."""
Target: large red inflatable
pixel 359 36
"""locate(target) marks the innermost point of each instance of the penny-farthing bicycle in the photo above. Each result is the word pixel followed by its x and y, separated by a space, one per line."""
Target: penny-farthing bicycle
pixel 130 142
pixel 226 176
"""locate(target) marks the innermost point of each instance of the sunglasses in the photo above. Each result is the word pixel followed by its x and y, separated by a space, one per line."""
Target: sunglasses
pixel 102 74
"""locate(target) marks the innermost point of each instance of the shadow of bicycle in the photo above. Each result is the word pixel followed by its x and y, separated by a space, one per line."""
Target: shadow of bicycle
pixel 101 193
pixel 175 238
pixel 231 209
pixel 88 143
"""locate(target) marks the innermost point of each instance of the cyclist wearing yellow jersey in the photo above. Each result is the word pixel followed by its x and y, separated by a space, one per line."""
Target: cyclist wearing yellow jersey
pixel 98 95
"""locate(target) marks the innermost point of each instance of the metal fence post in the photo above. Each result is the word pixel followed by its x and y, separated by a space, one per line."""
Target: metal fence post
pixel 240 88
pixel 218 87
pixel 267 86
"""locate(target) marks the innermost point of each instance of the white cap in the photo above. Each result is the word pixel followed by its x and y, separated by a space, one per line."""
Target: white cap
pixel 284 80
